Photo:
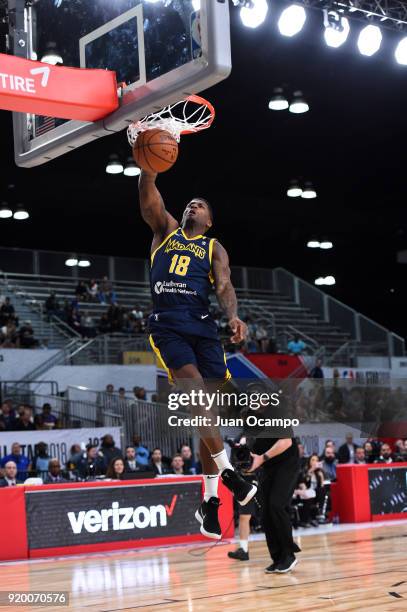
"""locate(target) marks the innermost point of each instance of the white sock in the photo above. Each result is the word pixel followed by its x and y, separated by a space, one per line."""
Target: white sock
pixel 222 461
pixel 211 486
pixel 244 544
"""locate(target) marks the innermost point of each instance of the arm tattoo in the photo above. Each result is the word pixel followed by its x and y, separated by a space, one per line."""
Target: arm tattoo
pixel 227 300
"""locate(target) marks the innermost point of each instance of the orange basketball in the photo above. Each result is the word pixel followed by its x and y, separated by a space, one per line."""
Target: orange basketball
pixel 155 150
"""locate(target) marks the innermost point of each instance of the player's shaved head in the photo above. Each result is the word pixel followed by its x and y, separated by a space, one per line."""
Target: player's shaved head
pixel 205 201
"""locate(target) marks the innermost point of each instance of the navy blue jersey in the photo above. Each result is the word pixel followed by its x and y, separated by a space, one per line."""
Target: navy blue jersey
pixel 181 282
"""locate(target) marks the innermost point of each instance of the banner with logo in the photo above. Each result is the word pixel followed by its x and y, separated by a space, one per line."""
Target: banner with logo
pixel 94 515
pixel 59 441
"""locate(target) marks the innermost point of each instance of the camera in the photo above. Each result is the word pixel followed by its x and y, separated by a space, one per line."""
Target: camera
pixel 240 456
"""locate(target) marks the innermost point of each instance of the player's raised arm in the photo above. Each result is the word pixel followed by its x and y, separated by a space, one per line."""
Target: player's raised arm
pixel 152 207
pixel 225 292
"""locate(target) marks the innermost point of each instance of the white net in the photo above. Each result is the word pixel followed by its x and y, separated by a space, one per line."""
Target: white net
pixel 184 117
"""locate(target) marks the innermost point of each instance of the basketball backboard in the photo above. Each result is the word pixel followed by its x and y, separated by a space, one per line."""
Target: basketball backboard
pixel 162 50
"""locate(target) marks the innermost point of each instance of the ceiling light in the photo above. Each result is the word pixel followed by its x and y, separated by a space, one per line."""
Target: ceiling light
pixel 51 55
pixel 196 5
pixel 71 261
pixel 278 101
pixel 130 168
pixel 336 29
pixel 330 280
pixel 319 281
pixel 84 263
pixel 292 20
pixel 326 244
pixel 313 244
pixel 294 190
pixel 308 192
pixel 114 165
pixel 369 40
pixel 252 16
pixel 298 105
pixel 21 213
pixel 5 211
pixel 401 52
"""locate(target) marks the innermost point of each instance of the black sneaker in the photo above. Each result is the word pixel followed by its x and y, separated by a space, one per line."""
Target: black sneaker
pixel 207 515
pixel 287 565
pixel 271 569
pixel 239 554
pixel 242 490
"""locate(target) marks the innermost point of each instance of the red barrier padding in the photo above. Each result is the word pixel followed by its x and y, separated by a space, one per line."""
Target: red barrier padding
pixel 278 366
pixel 13 519
pixel 13 528
pixel 56 91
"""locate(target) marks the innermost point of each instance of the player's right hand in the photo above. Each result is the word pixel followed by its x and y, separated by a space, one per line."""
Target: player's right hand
pixel 239 330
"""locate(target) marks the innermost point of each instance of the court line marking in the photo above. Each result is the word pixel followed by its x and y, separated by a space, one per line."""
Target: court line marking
pixel 255 590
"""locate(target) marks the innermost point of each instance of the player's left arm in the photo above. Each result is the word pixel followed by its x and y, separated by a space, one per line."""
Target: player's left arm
pixel 226 293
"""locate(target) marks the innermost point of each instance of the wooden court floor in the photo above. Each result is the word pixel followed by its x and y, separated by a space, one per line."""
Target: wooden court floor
pixel 362 569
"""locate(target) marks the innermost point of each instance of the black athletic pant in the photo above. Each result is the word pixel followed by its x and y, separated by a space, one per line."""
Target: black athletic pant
pixel 277 485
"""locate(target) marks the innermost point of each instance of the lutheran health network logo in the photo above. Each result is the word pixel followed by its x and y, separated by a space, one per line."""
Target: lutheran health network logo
pixel 172 287
pixel 121 519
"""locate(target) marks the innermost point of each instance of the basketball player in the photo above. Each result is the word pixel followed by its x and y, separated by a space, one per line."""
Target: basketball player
pixel 184 266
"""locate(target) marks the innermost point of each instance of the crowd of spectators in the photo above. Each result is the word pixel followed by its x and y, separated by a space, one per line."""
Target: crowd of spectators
pixel 104 461
pixel 12 334
pixel 115 319
pixel 311 500
pixel 24 418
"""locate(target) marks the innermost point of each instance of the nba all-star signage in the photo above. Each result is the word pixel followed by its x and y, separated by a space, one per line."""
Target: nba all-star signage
pixel 69 93
pixel 59 441
pixel 96 515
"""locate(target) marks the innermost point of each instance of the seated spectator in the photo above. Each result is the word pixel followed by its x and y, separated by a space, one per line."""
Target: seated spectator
pixel 108 450
pixel 261 336
pixel 10 475
pixel 75 321
pixel 142 453
pixel 7 311
pixel 130 463
pixel 52 305
pixel 90 465
pixel 26 336
pixel 360 455
pixel 115 471
pixel 386 456
pixel 9 337
pixel 93 290
pixel 25 420
pixel 46 420
pixel 140 393
pixel 303 458
pixel 329 463
pixel 296 346
pixel 22 462
pixel 316 371
pixel 7 417
pixel 157 464
pixel 369 454
pixel 122 393
pixel 106 293
pixel 74 456
pixel 54 475
pixel 177 466
pixel 190 465
pixel 346 452
pixel 81 292
pixel 137 313
pixel 41 459
pixel 311 491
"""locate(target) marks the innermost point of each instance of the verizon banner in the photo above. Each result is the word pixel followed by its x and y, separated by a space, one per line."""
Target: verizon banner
pixel 59 441
pixel 111 513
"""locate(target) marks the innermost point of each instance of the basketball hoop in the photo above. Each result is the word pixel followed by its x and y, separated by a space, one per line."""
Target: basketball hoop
pixel 185 117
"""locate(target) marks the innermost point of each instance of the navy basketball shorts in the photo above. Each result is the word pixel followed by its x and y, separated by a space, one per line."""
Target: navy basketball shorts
pixel 175 349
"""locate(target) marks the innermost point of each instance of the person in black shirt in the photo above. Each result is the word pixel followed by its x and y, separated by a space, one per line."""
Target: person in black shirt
pixel 280 465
